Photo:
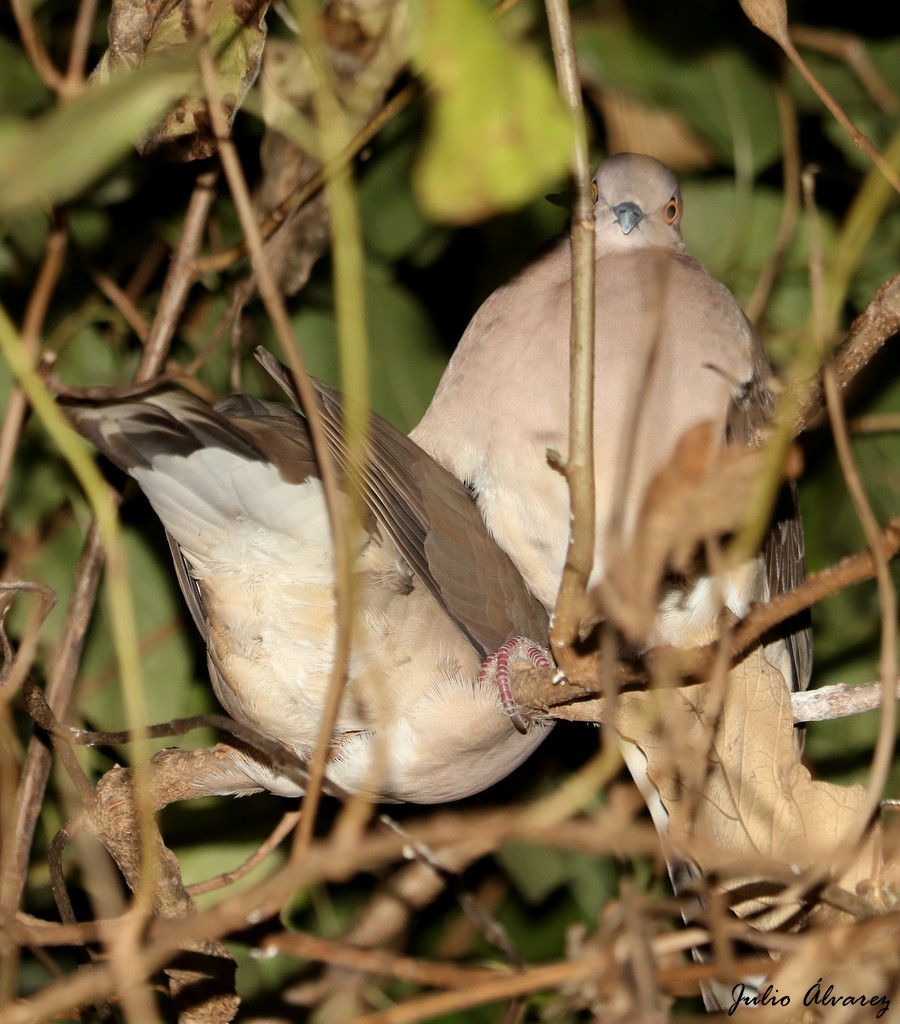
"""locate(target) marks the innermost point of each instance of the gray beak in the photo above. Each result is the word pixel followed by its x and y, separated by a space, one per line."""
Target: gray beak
pixel 628 215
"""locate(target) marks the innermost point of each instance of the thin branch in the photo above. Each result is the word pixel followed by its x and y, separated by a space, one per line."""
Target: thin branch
pixel 816 587
pixel 16 667
pixel 378 961
pixel 120 299
pixel 595 965
pixel 887 728
pixel 179 279
pixel 770 16
pixel 78 51
pixel 275 308
pixel 877 323
pixel 579 466
pixel 837 701
pixel 34 46
pixel 32 326
pixel 789 131
pixel 282 758
pixel 876 423
pixel 852 50
pixel 281 830
pixel 332 128
pixel 534 689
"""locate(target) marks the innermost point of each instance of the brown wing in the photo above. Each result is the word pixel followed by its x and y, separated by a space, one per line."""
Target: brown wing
pixel 783 548
pixel 437 527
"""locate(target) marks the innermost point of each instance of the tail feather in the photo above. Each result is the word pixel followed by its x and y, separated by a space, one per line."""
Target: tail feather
pixel 204 476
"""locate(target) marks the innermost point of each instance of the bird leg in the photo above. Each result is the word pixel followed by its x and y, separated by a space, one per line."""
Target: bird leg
pixel 498 664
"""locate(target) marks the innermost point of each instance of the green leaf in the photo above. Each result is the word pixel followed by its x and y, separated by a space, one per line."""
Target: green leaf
pixel 392 222
pixel 21 90
pixel 538 872
pixel 54 158
pixel 732 232
pixel 499 133
pixel 167 650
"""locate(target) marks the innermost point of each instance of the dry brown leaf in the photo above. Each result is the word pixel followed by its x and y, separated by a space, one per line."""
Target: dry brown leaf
pixel 769 16
pixel 700 493
pixel 145 30
pixel 727 767
pixel 367 49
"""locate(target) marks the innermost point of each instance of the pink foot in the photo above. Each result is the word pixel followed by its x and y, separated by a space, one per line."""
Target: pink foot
pixel 518 647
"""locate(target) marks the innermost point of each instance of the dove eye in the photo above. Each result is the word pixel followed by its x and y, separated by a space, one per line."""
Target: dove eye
pixel 595 192
pixel 672 210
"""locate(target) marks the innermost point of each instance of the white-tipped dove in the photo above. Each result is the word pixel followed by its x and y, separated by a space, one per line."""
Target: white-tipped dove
pixel 672 350
pixel 237 488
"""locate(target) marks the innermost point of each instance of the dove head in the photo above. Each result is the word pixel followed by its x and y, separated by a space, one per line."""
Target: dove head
pixel 638 203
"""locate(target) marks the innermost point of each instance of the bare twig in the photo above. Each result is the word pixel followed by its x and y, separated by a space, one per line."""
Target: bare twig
pixel 816 587
pixel 32 325
pixel 579 467
pixel 770 16
pixel 281 758
pixel 878 322
pixel 78 51
pixel 34 46
pixel 876 423
pixel 837 701
pixel 275 308
pixel 790 207
pixel 123 303
pixel 281 830
pixel 179 279
pixel 852 50
pixel 377 961
pixel 15 668
pixel 884 747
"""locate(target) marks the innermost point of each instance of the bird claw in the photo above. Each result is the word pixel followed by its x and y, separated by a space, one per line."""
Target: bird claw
pixel 520 647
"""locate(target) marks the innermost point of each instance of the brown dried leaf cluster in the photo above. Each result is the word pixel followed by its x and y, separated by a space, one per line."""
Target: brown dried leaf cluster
pixel 141 32
pixel 366 47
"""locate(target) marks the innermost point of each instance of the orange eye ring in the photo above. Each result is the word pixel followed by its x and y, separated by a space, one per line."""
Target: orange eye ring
pixel 595 192
pixel 672 210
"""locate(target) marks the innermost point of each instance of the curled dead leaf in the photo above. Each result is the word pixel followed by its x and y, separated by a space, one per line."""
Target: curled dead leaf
pixel 701 493
pixel 769 16
pixel 142 31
